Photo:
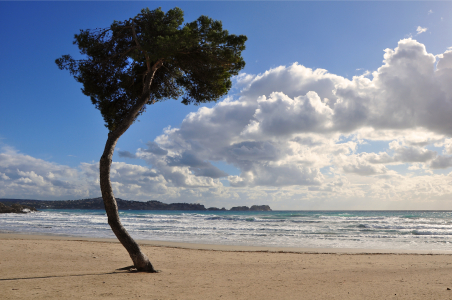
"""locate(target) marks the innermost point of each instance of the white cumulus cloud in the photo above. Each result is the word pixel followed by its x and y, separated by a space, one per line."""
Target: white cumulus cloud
pixel 420 29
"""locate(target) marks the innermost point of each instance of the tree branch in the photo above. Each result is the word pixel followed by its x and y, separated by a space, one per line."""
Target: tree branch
pixel 133 113
pixel 148 63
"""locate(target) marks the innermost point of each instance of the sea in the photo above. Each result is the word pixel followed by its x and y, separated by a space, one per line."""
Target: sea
pixel 391 230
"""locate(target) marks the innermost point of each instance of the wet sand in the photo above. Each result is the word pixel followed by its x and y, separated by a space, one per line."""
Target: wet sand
pixel 50 267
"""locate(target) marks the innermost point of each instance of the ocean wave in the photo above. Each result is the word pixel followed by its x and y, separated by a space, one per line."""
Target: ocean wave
pixel 392 230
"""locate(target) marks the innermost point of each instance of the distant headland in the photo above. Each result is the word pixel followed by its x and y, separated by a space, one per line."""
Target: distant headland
pixel 97 203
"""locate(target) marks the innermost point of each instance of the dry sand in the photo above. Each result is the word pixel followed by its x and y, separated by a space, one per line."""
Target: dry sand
pixel 44 267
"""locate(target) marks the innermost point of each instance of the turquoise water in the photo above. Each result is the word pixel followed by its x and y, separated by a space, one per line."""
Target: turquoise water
pixel 404 230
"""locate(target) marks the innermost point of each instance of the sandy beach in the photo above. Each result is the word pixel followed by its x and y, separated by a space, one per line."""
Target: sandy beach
pixel 49 267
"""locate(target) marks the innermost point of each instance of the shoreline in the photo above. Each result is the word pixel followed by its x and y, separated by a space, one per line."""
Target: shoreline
pixel 57 267
pixel 363 232
pixel 226 248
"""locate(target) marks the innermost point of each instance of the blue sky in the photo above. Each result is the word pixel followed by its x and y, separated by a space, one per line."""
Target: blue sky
pixel 381 140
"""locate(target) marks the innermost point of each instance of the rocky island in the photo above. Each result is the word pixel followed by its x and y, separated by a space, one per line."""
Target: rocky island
pixel 252 208
pixel 15 208
pixel 97 203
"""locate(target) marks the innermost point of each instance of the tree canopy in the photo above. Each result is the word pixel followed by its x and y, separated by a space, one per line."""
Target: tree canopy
pixel 195 61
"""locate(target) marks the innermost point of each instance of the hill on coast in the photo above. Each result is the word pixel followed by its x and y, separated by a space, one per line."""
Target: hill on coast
pixel 97 203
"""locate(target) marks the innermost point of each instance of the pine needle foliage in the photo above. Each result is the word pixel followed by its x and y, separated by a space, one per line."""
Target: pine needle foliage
pixel 194 62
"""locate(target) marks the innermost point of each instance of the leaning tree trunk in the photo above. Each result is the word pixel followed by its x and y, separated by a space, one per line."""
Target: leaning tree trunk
pixel 140 260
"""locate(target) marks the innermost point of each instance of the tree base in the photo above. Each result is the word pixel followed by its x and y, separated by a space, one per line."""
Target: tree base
pixel 132 268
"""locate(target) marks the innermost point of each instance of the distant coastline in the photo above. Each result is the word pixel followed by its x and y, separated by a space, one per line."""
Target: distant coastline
pixel 97 203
